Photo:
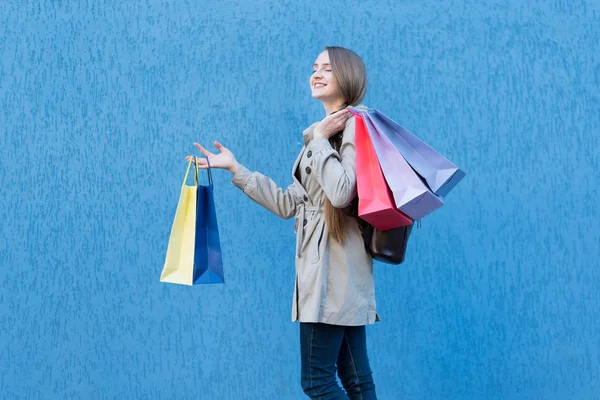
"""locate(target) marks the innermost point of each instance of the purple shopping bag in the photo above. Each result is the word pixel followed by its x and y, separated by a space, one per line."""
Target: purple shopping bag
pixel 440 174
pixel 411 194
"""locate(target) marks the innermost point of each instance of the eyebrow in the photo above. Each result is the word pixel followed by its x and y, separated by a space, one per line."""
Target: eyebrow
pixel 315 64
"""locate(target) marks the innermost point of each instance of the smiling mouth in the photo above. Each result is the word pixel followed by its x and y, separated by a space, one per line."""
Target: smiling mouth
pixel 319 85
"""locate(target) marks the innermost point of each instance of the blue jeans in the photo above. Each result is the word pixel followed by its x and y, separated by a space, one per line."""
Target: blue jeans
pixel 322 348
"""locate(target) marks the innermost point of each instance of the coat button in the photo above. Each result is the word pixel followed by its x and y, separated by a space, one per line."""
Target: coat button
pixel 308 170
pixel 304 222
pixel 309 154
pixel 305 198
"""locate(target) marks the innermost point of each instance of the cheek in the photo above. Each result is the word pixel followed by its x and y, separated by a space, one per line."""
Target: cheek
pixel 332 87
pixel 332 84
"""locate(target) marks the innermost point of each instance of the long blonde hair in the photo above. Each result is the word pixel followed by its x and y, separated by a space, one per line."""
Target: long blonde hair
pixel 351 76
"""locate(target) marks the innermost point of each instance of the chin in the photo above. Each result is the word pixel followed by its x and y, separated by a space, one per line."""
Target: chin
pixel 319 96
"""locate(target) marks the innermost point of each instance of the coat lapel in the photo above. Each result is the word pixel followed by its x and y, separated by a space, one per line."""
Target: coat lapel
pixel 307 137
pixel 296 164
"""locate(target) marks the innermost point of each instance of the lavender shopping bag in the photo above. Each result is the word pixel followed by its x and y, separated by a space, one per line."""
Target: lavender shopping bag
pixel 440 174
pixel 411 194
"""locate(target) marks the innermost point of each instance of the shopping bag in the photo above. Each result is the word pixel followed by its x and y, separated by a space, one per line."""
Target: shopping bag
pixel 208 262
pixel 375 202
pixel 194 251
pixel 440 174
pixel 411 194
pixel 179 262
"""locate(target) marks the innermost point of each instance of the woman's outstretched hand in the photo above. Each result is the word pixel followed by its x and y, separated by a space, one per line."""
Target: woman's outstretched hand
pixel 225 159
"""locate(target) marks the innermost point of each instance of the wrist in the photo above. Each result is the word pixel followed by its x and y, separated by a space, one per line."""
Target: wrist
pixel 234 167
pixel 318 135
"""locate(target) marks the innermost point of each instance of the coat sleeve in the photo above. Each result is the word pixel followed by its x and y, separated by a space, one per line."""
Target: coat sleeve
pixel 336 172
pixel 262 190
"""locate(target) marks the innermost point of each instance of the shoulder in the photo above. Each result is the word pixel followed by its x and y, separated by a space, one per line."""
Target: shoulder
pixel 349 129
pixel 351 121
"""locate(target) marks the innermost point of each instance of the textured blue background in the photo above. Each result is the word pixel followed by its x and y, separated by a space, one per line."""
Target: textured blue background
pixel 101 100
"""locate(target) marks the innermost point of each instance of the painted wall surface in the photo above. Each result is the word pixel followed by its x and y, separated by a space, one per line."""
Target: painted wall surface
pixel 100 101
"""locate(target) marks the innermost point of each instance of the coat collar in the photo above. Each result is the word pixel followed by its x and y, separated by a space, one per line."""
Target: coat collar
pixel 308 133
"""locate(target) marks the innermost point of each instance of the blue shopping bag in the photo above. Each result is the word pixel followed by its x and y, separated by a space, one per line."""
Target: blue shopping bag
pixel 208 261
pixel 439 173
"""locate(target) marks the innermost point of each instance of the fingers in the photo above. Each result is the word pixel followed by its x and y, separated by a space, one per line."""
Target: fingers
pixel 219 146
pixel 344 114
pixel 340 116
pixel 202 163
pixel 339 113
pixel 207 153
pixel 334 122
pixel 202 150
pixel 200 160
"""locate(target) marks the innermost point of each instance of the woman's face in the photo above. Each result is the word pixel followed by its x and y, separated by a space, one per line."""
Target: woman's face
pixel 322 83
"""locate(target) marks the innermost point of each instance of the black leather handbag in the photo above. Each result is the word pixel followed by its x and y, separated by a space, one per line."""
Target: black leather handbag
pixel 386 246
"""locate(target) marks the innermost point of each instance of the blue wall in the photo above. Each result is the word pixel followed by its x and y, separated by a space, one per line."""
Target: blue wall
pixel 101 100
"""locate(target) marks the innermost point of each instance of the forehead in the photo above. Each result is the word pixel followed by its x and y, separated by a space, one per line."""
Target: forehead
pixel 323 58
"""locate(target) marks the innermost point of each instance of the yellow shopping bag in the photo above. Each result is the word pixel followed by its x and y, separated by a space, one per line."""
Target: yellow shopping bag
pixel 179 262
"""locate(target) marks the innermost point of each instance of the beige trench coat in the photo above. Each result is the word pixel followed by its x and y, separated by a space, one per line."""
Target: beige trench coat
pixel 334 282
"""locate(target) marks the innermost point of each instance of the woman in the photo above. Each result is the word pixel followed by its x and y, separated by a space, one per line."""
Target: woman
pixel 334 294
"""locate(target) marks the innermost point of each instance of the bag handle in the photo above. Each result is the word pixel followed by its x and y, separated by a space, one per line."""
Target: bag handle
pixel 357 111
pixel 353 111
pixel 187 173
pixel 210 180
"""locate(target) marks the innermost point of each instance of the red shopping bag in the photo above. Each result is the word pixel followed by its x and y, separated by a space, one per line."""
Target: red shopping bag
pixel 375 201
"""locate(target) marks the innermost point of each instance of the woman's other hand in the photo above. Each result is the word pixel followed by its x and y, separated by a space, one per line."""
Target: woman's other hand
pixel 224 159
pixel 331 124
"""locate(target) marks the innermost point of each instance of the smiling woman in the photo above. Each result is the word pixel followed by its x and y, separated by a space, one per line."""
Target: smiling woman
pixel 338 73
pixel 334 293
